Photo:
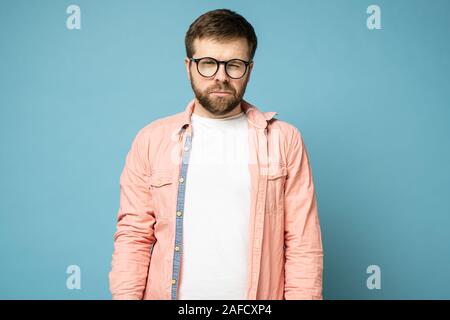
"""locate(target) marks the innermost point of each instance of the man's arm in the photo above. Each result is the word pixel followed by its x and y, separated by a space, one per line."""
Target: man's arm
pixel 134 235
pixel 303 242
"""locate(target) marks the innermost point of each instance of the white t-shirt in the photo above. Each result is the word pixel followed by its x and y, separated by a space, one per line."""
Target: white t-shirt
pixel 216 211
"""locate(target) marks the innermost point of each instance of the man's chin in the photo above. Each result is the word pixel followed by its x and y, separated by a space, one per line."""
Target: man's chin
pixel 218 105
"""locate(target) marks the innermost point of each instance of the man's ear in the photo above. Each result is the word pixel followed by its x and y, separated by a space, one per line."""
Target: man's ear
pixel 187 62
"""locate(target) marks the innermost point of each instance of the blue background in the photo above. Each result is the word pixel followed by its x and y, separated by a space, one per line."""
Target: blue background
pixel 372 106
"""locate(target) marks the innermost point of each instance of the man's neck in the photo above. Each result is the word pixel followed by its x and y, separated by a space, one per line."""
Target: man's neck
pixel 201 111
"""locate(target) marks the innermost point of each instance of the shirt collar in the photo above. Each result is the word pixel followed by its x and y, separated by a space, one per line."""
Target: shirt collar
pixel 254 115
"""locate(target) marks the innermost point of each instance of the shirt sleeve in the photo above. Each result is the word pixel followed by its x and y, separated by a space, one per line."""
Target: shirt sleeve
pixel 303 242
pixel 134 232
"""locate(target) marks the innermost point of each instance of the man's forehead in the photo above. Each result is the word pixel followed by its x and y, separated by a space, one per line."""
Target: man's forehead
pixel 221 49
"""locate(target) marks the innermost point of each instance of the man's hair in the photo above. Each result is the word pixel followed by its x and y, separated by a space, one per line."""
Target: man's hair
pixel 220 24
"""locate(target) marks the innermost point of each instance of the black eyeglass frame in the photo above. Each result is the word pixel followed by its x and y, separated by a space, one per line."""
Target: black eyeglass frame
pixel 218 63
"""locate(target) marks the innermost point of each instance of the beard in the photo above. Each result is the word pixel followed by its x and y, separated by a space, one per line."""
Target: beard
pixel 218 105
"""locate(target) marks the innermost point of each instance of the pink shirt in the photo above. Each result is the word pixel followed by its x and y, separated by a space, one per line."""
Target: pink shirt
pixel 285 259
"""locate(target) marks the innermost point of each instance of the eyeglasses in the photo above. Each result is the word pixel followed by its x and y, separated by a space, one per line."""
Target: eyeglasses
pixel 208 67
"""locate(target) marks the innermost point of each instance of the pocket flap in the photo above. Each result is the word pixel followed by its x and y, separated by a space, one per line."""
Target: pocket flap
pixel 160 178
pixel 275 172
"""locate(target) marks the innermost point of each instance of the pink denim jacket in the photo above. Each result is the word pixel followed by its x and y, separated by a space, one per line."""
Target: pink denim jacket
pixel 285 259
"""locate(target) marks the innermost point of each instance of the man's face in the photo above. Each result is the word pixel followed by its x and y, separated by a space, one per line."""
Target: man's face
pixel 204 88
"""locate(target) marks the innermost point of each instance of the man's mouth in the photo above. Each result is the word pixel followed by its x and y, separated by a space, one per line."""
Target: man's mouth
pixel 221 93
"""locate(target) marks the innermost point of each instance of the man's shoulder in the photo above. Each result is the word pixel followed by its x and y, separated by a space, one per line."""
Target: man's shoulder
pixel 287 129
pixel 162 125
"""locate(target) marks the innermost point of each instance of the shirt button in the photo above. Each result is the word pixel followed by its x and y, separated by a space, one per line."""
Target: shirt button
pixel 179 213
pixel 177 248
pixel 174 281
pixel 181 180
pixel 186 148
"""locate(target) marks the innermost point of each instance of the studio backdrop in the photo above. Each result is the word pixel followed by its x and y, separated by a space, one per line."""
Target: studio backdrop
pixel 366 82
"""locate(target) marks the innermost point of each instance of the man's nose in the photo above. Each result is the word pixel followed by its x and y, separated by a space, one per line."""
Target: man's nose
pixel 221 75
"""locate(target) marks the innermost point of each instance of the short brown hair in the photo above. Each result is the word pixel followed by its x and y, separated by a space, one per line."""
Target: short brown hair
pixel 220 24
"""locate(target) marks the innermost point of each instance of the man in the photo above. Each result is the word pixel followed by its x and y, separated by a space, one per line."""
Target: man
pixel 218 201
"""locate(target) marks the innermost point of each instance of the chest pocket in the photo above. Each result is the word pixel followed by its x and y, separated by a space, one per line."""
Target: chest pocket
pixel 161 184
pixel 276 179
